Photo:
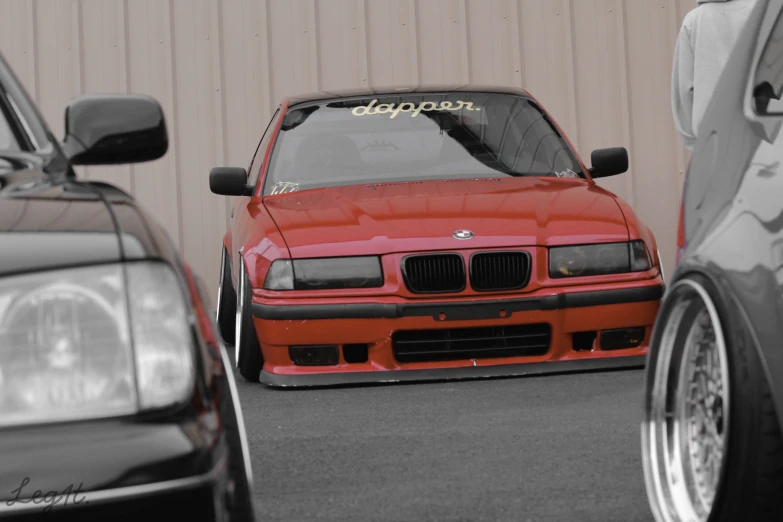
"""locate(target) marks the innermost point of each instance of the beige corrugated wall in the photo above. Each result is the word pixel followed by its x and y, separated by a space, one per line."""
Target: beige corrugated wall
pixel 219 67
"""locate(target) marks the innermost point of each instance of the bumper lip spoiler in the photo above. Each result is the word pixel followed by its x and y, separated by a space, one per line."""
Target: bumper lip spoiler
pixel 459 310
pixel 446 374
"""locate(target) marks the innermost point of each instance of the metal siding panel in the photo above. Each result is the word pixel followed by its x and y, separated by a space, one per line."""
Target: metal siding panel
pixel 493 31
pixel 57 60
pixel 545 58
pixel 17 39
pixel 597 60
pixel 392 52
pixel 247 109
pixel 149 72
pixel 601 67
pixel 103 57
pixel 199 132
pixel 293 59
pixel 650 50
pixel 441 44
pixel 340 44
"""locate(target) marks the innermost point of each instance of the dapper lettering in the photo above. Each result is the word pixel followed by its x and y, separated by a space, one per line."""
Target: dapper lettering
pixel 394 110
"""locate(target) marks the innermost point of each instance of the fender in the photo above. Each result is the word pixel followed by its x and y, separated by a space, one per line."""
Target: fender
pixel 227 241
pixel 638 230
pixel 761 323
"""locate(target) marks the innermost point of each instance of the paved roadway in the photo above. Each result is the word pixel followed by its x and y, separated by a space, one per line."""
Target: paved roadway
pixel 550 448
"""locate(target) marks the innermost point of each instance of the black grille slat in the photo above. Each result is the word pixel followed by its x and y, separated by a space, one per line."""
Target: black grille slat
pixel 423 341
pixel 492 271
pixel 436 273
pixel 471 343
pixel 476 353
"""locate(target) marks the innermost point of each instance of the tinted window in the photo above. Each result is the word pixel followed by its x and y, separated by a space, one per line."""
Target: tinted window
pixel 409 137
pixel 255 166
pixel 769 74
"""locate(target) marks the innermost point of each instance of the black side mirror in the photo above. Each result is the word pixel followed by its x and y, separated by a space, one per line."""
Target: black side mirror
pixel 229 181
pixel 609 162
pixel 111 129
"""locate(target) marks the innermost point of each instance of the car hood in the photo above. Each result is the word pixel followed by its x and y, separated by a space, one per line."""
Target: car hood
pixel 423 215
pixel 45 225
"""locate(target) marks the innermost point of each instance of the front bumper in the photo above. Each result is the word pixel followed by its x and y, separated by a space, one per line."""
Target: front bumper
pixel 567 311
pixel 107 470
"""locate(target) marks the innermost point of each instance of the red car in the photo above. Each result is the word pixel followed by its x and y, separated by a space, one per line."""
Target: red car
pixel 429 233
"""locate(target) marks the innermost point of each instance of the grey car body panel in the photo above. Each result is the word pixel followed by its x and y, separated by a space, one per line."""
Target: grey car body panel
pixel 733 204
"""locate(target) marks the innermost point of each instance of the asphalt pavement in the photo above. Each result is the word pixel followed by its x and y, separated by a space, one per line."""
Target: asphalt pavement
pixel 549 448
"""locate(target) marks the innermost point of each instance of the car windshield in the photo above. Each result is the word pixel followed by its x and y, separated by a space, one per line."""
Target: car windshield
pixel 408 137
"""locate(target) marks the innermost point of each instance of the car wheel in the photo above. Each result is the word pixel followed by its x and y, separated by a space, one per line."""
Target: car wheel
pixel 247 350
pixel 227 300
pixel 711 443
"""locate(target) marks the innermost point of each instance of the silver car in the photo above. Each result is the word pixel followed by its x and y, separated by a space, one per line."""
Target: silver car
pixel 713 403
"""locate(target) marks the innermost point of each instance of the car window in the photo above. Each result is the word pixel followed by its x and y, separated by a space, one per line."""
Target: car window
pixel 768 84
pixel 255 166
pixel 18 113
pixel 8 141
pixel 416 137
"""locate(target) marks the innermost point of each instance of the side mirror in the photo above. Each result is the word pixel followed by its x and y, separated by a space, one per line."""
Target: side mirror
pixel 112 129
pixel 229 181
pixel 609 162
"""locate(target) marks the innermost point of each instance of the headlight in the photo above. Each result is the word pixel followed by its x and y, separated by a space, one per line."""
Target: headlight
pixel 280 275
pixel 81 343
pixel 162 338
pixel 600 259
pixel 325 274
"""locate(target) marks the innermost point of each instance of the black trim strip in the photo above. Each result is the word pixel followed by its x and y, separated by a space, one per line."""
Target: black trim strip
pixel 445 374
pixel 459 311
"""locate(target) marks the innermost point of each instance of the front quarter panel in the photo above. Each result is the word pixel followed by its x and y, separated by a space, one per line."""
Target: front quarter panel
pixel 733 208
pixel 260 242
pixel 743 254
pixel 637 229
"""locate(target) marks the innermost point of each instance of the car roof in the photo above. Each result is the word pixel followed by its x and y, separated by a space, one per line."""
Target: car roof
pixel 401 89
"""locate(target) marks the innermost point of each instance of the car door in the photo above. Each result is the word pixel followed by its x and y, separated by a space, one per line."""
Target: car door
pixel 240 206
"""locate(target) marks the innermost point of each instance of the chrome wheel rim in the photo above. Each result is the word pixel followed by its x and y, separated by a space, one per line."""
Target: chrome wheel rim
pixel 238 317
pixel 685 432
pixel 220 284
pixel 700 405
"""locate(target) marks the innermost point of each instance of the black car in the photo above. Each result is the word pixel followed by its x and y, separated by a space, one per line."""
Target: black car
pixel 711 433
pixel 117 399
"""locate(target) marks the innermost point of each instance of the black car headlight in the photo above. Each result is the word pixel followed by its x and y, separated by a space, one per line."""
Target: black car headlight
pixel 94 342
pixel 600 259
pixel 325 273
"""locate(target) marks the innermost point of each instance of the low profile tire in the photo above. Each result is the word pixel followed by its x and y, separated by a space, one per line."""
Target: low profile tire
pixel 247 350
pixel 227 300
pixel 711 442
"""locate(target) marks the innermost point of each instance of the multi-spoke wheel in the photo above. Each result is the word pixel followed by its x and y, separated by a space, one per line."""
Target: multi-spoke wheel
pixel 711 442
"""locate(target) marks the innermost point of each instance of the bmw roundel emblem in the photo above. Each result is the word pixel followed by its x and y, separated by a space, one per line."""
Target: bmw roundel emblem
pixel 463 234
